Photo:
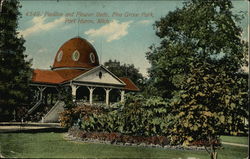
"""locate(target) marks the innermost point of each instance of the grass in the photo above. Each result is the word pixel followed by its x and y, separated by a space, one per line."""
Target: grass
pixel 53 145
pixel 235 139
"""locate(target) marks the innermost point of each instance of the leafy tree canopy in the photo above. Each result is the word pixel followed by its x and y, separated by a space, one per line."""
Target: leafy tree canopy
pixel 15 71
pixel 197 67
pixel 200 31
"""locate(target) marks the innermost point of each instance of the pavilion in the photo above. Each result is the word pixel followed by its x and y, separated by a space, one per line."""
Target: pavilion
pixel 76 65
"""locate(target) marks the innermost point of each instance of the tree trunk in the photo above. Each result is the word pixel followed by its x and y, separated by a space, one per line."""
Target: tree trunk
pixel 213 155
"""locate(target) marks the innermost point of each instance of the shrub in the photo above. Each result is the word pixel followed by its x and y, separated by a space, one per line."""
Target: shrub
pixel 138 117
pixel 70 117
pixel 145 117
pixel 108 121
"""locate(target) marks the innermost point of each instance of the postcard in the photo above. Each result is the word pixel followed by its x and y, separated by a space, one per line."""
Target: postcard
pixel 96 54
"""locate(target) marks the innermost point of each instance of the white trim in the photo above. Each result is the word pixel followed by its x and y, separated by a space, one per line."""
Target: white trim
pixel 122 95
pixel 43 85
pixel 75 55
pixel 91 90
pixel 113 75
pixel 95 85
pixel 41 89
pixel 67 83
pixel 73 89
pixel 69 68
pixel 94 69
pixel 59 56
pixel 107 90
pixel 92 57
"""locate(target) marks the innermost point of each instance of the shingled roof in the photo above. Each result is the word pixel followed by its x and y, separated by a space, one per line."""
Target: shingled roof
pixel 55 76
pixel 61 76
pixel 129 84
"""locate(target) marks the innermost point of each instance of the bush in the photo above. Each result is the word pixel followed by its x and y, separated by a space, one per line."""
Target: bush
pixel 145 117
pixel 138 117
pixel 70 117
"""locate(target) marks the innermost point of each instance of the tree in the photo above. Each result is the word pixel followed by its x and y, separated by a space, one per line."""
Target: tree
pixel 196 66
pixel 209 105
pixel 201 30
pixel 15 71
pixel 126 70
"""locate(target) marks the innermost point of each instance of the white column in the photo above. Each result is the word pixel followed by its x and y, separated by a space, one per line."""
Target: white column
pixel 107 95
pixel 91 90
pixel 74 89
pixel 41 89
pixel 122 95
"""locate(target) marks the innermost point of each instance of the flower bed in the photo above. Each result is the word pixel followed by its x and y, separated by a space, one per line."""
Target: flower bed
pixel 138 123
pixel 76 134
pixel 119 138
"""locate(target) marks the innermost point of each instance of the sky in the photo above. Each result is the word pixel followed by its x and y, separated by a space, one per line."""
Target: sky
pixel 119 30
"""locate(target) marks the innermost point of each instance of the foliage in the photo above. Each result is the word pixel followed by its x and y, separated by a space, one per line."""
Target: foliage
pixel 199 31
pixel 108 121
pixel 67 97
pixel 70 117
pixel 145 117
pixel 139 116
pixel 196 67
pixel 15 70
pixel 126 70
pixel 207 105
pixel 242 81
pixel 150 90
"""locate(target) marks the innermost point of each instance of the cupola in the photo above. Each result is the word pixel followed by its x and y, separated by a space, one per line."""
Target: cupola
pixel 76 53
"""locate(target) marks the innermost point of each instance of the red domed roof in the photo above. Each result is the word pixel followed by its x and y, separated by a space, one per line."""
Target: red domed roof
pixel 76 53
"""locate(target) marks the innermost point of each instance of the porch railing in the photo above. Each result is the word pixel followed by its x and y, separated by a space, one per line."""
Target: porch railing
pixel 35 106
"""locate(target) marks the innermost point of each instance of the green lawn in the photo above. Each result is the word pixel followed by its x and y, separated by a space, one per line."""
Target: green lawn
pixel 235 139
pixel 51 145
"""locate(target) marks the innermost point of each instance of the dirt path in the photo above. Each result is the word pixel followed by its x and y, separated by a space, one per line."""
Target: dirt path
pixel 18 126
pixel 234 144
